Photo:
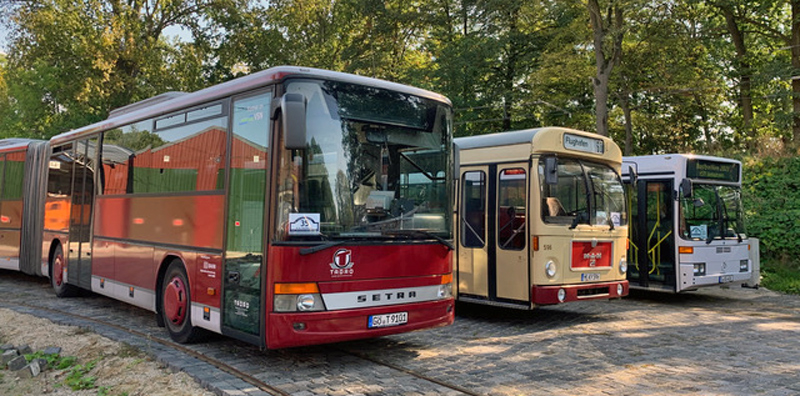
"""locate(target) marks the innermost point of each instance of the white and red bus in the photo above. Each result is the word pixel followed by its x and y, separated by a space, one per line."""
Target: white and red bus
pixel 541 218
pixel 687 223
pixel 290 207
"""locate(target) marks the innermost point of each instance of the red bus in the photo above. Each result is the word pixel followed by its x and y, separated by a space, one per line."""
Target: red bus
pixel 293 206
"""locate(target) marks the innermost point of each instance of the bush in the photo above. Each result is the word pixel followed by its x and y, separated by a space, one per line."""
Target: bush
pixel 771 195
pixel 771 199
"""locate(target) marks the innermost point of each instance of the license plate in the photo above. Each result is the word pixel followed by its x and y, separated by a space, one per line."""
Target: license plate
pixel 726 278
pixel 392 319
pixel 590 277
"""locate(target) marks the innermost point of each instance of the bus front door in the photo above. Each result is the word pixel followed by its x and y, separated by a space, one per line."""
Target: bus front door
pixel 652 238
pixel 243 311
pixel 493 252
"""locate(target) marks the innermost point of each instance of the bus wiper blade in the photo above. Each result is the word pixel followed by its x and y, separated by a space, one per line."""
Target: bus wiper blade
pixel 322 246
pixel 423 233
pixel 577 220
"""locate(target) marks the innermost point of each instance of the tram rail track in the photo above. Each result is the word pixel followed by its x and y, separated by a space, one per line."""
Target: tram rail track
pixel 230 369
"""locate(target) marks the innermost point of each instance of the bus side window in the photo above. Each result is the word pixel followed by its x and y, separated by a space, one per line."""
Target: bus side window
pixel 473 222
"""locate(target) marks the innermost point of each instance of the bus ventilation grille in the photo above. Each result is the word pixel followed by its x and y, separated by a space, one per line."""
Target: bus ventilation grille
pixel 595 291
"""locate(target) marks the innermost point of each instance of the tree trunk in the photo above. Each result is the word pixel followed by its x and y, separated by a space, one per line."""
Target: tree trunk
pixel 745 84
pixel 604 62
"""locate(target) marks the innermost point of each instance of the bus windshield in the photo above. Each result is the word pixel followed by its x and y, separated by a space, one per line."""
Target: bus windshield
pixel 711 209
pixel 584 193
pixel 376 165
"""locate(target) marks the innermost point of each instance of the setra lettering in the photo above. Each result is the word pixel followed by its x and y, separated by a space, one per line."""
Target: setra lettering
pixel 388 296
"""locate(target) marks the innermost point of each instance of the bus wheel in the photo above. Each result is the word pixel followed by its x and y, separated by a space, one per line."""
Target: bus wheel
pixel 60 286
pixel 176 304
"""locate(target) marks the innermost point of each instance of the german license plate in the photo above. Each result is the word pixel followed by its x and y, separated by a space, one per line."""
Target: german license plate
pixel 726 278
pixel 590 277
pixel 392 319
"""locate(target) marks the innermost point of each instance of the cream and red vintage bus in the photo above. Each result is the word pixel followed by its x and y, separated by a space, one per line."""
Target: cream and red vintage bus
pixel 686 223
pixel 541 218
pixel 293 206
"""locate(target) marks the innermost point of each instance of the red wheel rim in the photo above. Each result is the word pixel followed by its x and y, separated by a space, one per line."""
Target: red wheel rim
pixel 175 303
pixel 58 270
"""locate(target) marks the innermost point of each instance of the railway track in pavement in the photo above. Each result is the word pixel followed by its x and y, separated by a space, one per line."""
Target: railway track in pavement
pixel 250 382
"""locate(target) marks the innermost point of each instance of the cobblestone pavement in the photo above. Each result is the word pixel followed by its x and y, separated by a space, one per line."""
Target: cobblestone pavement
pixel 712 342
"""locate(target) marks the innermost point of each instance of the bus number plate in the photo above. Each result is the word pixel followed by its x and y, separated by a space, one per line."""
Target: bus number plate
pixel 392 319
pixel 591 277
pixel 726 278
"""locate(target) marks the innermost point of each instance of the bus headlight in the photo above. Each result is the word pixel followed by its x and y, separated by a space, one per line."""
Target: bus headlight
pixel 550 269
pixel 743 265
pixel 298 303
pixel 620 289
pixel 699 269
pixel 445 291
pixel 306 302
pixel 562 295
pixel 623 265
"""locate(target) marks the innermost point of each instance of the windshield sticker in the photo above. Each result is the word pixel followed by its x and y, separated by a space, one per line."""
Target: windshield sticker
pixel 699 232
pixel 303 223
pixel 616 218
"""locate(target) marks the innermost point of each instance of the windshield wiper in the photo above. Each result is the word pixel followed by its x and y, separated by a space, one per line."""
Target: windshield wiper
pixel 322 246
pixel 422 233
pixel 579 218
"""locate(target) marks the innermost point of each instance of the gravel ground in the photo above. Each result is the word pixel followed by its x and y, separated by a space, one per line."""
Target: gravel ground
pixel 120 369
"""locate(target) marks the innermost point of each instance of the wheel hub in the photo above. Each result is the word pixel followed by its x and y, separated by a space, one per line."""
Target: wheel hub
pixel 175 304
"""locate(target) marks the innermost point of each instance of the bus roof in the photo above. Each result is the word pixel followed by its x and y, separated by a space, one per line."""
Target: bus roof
pixel 173 101
pixel 14 144
pixel 677 165
pixel 536 141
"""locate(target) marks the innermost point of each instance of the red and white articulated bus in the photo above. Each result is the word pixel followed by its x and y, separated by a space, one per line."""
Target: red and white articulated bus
pixel 290 207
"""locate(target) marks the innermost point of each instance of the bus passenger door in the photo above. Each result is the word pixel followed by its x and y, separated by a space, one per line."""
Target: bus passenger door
pixel 80 230
pixel 245 257
pixel 472 265
pixel 493 252
pixel 652 248
pixel 511 252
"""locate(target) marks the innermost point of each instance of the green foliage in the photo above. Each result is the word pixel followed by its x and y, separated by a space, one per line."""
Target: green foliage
pixel 771 193
pixel 781 277
pixel 77 377
pixel 53 360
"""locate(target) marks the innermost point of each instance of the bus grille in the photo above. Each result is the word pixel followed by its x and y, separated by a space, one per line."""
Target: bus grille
pixel 595 291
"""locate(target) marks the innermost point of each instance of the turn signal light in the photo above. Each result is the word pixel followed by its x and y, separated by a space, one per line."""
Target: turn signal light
pixel 447 279
pixel 535 243
pixel 685 249
pixel 296 288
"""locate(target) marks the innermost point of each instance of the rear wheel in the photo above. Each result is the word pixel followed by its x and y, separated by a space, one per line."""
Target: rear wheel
pixel 176 304
pixel 57 280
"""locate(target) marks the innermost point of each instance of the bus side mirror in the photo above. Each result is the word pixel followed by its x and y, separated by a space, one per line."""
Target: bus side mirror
pixel 686 187
pixel 551 170
pixel 633 177
pixel 293 106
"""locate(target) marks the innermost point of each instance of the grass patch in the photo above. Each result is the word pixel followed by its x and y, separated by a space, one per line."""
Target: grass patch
pixel 784 278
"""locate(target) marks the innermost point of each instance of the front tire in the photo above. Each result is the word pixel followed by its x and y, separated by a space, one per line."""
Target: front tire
pixel 57 280
pixel 176 304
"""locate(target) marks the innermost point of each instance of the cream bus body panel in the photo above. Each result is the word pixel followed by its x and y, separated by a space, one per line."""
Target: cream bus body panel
pixel 555 244
pixel 518 273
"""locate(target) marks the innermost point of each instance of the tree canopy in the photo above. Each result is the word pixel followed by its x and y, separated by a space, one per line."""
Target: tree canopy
pixel 707 76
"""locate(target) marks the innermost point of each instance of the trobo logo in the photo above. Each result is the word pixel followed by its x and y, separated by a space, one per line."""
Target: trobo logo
pixel 342 264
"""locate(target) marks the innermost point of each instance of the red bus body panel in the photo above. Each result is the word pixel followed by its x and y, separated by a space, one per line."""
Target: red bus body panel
pixel 375 267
